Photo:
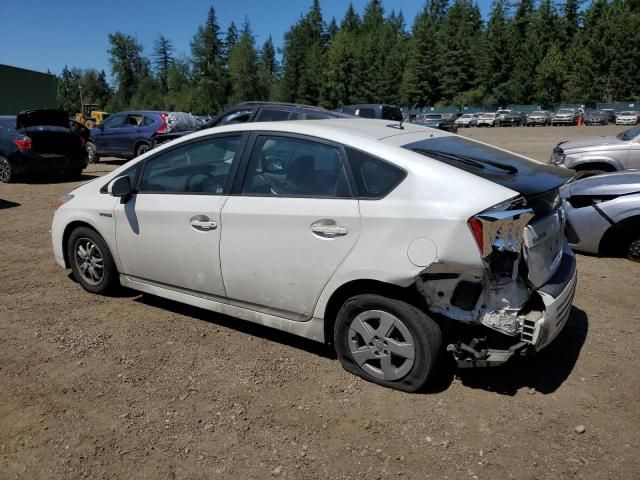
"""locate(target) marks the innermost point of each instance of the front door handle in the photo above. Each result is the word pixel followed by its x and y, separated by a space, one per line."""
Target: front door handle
pixel 328 228
pixel 203 223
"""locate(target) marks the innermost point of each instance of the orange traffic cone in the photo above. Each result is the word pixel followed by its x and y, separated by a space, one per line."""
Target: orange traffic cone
pixel 579 120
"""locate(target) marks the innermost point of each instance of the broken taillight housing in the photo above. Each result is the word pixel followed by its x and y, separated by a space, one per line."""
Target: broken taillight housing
pixel 500 229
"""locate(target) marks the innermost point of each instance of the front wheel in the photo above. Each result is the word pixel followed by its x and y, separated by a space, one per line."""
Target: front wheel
pixel 633 252
pixel 387 341
pixel 91 261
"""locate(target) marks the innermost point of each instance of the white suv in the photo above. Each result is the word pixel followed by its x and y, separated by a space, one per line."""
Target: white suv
pixel 370 236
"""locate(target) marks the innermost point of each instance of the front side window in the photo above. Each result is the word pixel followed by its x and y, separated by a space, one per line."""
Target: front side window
pixel 199 167
pixel 283 166
pixel 237 116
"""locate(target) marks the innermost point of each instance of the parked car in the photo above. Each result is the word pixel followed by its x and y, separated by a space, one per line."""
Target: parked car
pixel 379 111
pixel 366 239
pixel 514 119
pixel 627 118
pixel 609 114
pixel 597 117
pixel 595 155
pixel 437 120
pixel 489 120
pixel 565 116
pixel 271 112
pixel 468 120
pixel 37 141
pixel 502 113
pixel 539 117
pixel 603 214
pixel 130 134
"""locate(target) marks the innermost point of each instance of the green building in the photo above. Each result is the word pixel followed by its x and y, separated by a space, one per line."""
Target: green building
pixel 22 89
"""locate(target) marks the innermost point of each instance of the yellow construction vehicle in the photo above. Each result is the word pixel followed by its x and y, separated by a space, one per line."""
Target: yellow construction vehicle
pixel 90 115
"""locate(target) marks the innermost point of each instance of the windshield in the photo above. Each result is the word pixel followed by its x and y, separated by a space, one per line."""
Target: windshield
pixel 467 115
pixel 538 112
pixel 503 112
pixel 565 111
pixel 629 134
pixel 488 115
pixel 628 113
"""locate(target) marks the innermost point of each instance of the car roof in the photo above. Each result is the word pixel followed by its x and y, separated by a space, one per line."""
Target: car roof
pixel 276 104
pixel 368 105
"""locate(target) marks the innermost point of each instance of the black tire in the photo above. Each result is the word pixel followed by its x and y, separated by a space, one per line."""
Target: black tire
pixel 73 173
pixel 142 149
pixel 580 174
pixel 425 334
pixel 633 250
pixel 109 279
pixel 7 174
pixel 92 153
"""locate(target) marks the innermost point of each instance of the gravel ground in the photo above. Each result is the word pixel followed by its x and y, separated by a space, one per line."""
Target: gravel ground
pixel 138 387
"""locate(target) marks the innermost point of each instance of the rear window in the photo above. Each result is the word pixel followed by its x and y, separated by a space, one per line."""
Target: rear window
pixel 392 113
pixel 366 112
pixel 374 177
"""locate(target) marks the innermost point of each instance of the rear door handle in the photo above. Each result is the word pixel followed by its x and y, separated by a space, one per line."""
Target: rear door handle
pixel 203 223
pixel 328 228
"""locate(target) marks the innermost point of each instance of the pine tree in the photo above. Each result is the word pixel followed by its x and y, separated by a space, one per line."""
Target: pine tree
pixel 162 59
pixel 128 66
pixel 497 62
pixel 210 77
pixel 268 69
pixel 243 68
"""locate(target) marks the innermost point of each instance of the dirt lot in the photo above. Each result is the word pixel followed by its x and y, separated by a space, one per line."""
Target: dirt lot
pixel 138 387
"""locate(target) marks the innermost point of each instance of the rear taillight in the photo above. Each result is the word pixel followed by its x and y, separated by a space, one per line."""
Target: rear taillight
pixel 23 143
pixel 82 142
pixel 164 125
pixel 476 228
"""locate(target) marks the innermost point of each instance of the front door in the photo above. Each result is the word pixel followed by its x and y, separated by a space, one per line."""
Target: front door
pixel 168 232
pixel 289 227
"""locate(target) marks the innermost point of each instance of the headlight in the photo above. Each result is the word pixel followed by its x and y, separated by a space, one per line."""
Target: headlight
pixel 558 156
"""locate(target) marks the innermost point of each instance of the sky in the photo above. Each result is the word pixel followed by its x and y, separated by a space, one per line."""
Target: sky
pixel 49 34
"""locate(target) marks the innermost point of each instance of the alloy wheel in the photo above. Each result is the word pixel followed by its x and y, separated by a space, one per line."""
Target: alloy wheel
pixel 89 260
pixel 5 170
pixel 381 345
pixel 634 251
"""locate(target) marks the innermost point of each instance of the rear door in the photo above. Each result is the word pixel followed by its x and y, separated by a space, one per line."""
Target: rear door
pixel 168 233
pixel 289 225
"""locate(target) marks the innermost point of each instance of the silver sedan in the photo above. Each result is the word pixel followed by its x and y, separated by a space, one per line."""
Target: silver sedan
pixel 603 214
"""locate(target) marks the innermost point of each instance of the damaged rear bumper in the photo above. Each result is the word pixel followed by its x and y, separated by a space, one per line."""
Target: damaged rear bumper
pixel 539 328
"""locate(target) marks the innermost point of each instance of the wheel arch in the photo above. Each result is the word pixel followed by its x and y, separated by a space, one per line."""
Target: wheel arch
pixel 141 141
pixel 604 164
pixel 619 235
pixel 363 286
pixel 68 229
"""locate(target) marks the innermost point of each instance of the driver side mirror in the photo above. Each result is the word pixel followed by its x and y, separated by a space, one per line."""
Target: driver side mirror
pixel 120 187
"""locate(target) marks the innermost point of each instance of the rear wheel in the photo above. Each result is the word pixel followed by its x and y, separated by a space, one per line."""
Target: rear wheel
pixel 6 171
pixel 387 341
pixel 91 261
pixel 142 149
pixel 92 153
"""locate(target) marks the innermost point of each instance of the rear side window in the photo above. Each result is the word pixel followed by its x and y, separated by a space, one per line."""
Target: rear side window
pixel 374 178
pixel 283 166
pixel 201 167
pixel 148 121
pixel 267 115
pixel 311 116
pixel 237 116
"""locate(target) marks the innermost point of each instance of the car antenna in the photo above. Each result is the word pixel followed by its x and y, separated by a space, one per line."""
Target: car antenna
pixel 404 118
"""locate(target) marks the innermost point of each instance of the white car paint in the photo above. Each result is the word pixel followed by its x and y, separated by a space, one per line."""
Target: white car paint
pixel 263 263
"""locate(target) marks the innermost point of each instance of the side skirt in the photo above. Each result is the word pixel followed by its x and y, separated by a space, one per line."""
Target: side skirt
pixel 312 329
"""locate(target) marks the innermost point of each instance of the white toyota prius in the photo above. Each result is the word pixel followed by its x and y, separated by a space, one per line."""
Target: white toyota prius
pixel 374 237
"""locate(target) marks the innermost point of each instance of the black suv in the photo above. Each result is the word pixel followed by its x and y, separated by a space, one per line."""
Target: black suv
pixel 270 112
pixel 373 110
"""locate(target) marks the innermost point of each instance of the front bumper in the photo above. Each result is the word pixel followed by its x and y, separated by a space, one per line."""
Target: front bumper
pixel 539 329
pixel 568 121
